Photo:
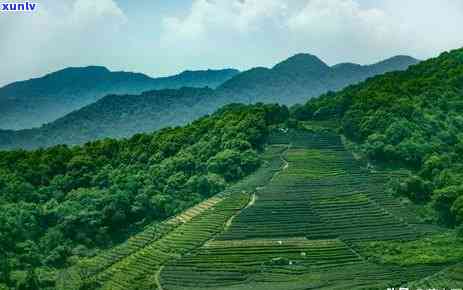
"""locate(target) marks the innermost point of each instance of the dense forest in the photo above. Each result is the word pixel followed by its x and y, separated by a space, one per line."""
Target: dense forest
pixel 64 203
pixel 413 119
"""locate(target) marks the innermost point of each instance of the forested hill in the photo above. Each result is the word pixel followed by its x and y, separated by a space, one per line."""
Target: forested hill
pixel 31 103
pixel 304 76
pixel 413 118
pixel 61 204
pixel 293 80
pixel 117 116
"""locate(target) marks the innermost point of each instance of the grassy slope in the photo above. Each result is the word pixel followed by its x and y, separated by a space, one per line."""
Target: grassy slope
pixel 305 230
pixel 314 224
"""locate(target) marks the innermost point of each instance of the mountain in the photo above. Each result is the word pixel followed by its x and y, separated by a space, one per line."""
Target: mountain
pixel 31 103
pixel 194 79
pixel 349 73
pixel 412 119
pixel 241 199
pixel 291 81
pixel 117 116
pixel 304 76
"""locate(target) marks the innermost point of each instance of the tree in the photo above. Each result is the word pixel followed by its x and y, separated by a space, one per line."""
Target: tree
pixel 28 281
pixel 457 210
pixel 416 188
pixel 226 163
pixel 443 200
pixel 250 161
pixel 460 231
pixel 434 164
pixel 4 267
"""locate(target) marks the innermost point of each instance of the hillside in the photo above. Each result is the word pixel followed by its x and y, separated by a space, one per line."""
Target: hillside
pixel 293 80
pixel 312 218
pixel 241 200
pixel 412 119
pixel 63 204
pixel 31 103
pixel 117 116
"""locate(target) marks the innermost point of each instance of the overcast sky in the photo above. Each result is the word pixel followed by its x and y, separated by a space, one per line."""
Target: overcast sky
pixel 162 37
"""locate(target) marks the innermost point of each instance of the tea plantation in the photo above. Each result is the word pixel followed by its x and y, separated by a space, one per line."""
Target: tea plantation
pixel 313 217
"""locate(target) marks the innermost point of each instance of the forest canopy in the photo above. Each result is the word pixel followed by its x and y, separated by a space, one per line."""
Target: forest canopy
pixel 63 203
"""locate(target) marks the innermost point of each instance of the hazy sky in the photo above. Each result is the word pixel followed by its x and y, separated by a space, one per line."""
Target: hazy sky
pixel 161 37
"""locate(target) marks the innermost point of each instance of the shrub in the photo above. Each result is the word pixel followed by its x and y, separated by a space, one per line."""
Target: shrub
pixel 416 188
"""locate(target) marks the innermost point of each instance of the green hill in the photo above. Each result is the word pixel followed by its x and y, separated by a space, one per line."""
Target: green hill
pixel 326 220
pixel 63 204
pixel 293 80
pixel 414 119
pixel 312 217
pixel 117 116
pixel 252 197
pixel 32 103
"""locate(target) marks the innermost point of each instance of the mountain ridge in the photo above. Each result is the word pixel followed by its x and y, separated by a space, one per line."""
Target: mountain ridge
pixel 34 102
pixel 294 80
pixel 305 76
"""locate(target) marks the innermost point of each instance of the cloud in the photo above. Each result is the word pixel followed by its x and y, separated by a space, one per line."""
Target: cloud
pixel 209 19
pixel 340 28
pixel 219 31
pixel 427 27
pixel 165 37
pixel 264 31
pixel 63 33
pixel 91 13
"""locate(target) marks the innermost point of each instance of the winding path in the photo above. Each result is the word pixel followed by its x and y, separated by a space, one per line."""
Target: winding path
pixel 252 201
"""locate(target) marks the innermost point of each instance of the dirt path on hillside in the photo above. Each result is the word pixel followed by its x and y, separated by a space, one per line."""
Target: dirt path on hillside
pixel 252 201
pixel 285 165
pixel 254 197
pixel 157 278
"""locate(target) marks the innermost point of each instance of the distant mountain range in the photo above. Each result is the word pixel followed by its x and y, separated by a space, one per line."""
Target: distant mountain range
pixel 304 76
pixel 116 116
pixel 292 81
pixel 31 103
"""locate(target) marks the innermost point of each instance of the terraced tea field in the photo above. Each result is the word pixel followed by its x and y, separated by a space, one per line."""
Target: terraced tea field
pixel 452 276
pixel 136 264
pixel 303 221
